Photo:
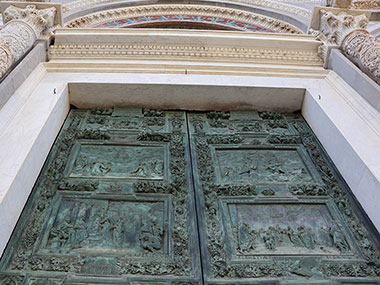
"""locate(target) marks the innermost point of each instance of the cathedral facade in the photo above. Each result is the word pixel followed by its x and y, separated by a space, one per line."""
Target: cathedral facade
pixel 221 142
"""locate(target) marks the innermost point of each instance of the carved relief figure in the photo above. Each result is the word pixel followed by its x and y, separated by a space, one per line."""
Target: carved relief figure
pixel 246 237
pixel 99 168
pixel 277 237
pixel 251 165
pixel 102 227
pixel 339 239
pixel 152 168
pixel 119 161
pixel 151 235
pixel 64 235
pixel 87 167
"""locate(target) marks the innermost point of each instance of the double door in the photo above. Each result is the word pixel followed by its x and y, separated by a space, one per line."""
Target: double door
pixel 132 196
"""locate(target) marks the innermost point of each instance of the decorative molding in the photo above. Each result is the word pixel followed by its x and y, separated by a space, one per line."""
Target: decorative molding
pixel 279 6
pixel 232 14
pixel 365 4
pixel 183 20
pixel 22 28
pixel 80 51
pixel 80 4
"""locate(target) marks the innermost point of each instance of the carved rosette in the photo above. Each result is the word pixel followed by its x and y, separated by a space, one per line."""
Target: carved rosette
pixel 23 26
pixel 364 50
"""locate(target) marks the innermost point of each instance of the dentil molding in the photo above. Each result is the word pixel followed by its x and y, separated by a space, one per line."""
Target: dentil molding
pixel 176 51
pixel 212 11
pixel 80 4
pixel 120 51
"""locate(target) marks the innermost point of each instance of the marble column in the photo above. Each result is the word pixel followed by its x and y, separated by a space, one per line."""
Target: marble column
pixel 22 27
pixel 364 50
pixel 347 31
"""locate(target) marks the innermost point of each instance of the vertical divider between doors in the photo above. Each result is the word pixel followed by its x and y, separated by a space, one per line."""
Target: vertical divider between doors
pixel 197 200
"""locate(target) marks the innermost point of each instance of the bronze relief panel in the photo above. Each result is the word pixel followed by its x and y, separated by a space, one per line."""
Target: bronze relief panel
pixel 120 161
pixel 270 207
pixel 261 165
pixel 113 205
pixel 128 196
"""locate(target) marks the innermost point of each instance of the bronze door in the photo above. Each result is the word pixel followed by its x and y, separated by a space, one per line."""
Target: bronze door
pixel 113 205
pixel 131 196
pixel 271 209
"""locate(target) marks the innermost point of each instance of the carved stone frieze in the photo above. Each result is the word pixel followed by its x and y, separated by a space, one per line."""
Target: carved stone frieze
pixel 61 51
pixel 231 14
pixel 22 27
pixel 365 4
pixel 80 4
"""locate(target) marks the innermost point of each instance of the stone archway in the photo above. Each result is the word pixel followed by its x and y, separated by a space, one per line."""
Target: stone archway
pixel 196 15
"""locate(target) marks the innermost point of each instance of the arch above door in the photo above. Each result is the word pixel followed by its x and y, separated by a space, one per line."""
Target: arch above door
pixel 191 15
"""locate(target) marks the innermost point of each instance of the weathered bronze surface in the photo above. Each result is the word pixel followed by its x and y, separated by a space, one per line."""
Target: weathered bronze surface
pixel 128 196
pixel 113 204
pixel 270 208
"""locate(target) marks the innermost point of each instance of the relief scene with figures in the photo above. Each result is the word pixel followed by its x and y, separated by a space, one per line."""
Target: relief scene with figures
pixel 282 229
pixel 137 196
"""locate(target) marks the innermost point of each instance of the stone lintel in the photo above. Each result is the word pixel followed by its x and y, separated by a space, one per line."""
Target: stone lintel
pixel 145 44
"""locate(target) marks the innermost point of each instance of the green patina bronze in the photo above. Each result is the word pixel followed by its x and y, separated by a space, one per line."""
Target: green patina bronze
pixel 270 207
pixel 128 196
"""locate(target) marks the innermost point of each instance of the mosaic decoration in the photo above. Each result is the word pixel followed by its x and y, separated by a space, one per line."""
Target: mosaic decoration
pixel 223 22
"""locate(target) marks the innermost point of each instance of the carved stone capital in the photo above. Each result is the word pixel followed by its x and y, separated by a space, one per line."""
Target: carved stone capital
pixel 22 27
pixel 335 27
pixel 345 29
pixel 40 20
